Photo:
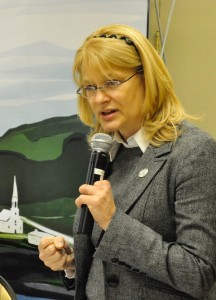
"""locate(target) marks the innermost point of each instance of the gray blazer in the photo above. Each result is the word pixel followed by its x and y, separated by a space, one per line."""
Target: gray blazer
pixel 161 242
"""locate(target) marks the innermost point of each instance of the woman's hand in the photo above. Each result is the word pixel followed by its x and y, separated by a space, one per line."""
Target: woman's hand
pixel 100 202
pixel 56 253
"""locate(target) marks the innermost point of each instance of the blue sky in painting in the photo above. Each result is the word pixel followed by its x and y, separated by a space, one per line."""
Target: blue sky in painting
pixel 38 42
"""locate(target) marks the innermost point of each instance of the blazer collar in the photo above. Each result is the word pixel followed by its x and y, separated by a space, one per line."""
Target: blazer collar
pixel 150 164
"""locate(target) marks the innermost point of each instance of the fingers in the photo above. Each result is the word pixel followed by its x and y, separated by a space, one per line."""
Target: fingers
pixel 56 261
pixel 45 242
pixel 99 199
pixel 99 190
pixel 56 253
pixel 90 189
pixel 60 242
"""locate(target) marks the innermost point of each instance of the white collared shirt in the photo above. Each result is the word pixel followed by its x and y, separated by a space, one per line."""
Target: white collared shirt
pixel 136 140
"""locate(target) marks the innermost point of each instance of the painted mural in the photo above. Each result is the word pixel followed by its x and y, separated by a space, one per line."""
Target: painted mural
pixel 43 150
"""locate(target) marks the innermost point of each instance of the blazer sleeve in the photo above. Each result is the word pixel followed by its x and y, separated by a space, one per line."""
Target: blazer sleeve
pixel 68 283
pixel 188 263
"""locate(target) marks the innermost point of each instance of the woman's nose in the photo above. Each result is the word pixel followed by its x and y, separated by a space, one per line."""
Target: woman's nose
pixel 101 95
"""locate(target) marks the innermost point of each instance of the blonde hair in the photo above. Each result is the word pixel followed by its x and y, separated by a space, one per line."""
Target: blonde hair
pixel 162 109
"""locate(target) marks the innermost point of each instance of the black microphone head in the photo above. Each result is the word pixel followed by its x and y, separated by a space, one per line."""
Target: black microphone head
pixel 101 142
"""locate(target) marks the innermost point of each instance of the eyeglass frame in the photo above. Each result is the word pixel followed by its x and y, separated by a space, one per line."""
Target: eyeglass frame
pixel 95 88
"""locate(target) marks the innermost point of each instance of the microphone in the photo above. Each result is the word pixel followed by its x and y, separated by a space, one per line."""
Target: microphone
pixel 99 161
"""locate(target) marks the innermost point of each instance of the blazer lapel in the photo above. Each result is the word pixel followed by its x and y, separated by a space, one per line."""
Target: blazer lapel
pixel 150 164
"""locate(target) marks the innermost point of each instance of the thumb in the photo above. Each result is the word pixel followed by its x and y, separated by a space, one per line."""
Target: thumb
pixel 59 242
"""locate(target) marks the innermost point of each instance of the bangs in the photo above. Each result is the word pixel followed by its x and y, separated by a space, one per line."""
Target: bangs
pixel 94 60
pixel 103 56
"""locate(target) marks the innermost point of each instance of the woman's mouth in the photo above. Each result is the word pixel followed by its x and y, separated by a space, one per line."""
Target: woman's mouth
pixel 108 114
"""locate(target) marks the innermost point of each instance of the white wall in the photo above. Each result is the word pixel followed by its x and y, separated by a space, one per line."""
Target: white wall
pixel 191 54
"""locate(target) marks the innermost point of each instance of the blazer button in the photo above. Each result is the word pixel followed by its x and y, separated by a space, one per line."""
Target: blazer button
pixel 143 173
pixel 112 281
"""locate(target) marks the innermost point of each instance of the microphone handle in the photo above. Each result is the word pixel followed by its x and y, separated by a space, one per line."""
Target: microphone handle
pixel 97 168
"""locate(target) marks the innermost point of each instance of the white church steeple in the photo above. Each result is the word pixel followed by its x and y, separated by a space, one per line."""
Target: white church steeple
pixel 10 220
pixel 14 207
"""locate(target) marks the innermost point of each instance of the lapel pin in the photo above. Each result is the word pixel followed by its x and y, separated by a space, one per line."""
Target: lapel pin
pixel 143 172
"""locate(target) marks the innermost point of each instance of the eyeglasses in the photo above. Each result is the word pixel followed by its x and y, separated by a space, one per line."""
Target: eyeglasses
pixel 89 91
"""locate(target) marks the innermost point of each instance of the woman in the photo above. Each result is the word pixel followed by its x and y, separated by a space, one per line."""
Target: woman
pixel 154 234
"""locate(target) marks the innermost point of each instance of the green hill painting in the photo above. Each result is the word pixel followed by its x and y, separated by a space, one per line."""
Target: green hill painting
pixel 42 166
pixel 49 161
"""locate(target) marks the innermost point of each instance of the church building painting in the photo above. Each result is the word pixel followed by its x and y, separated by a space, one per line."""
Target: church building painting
pixel 10 221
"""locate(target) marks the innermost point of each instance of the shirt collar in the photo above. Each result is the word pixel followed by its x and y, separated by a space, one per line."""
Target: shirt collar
pixel 136 140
